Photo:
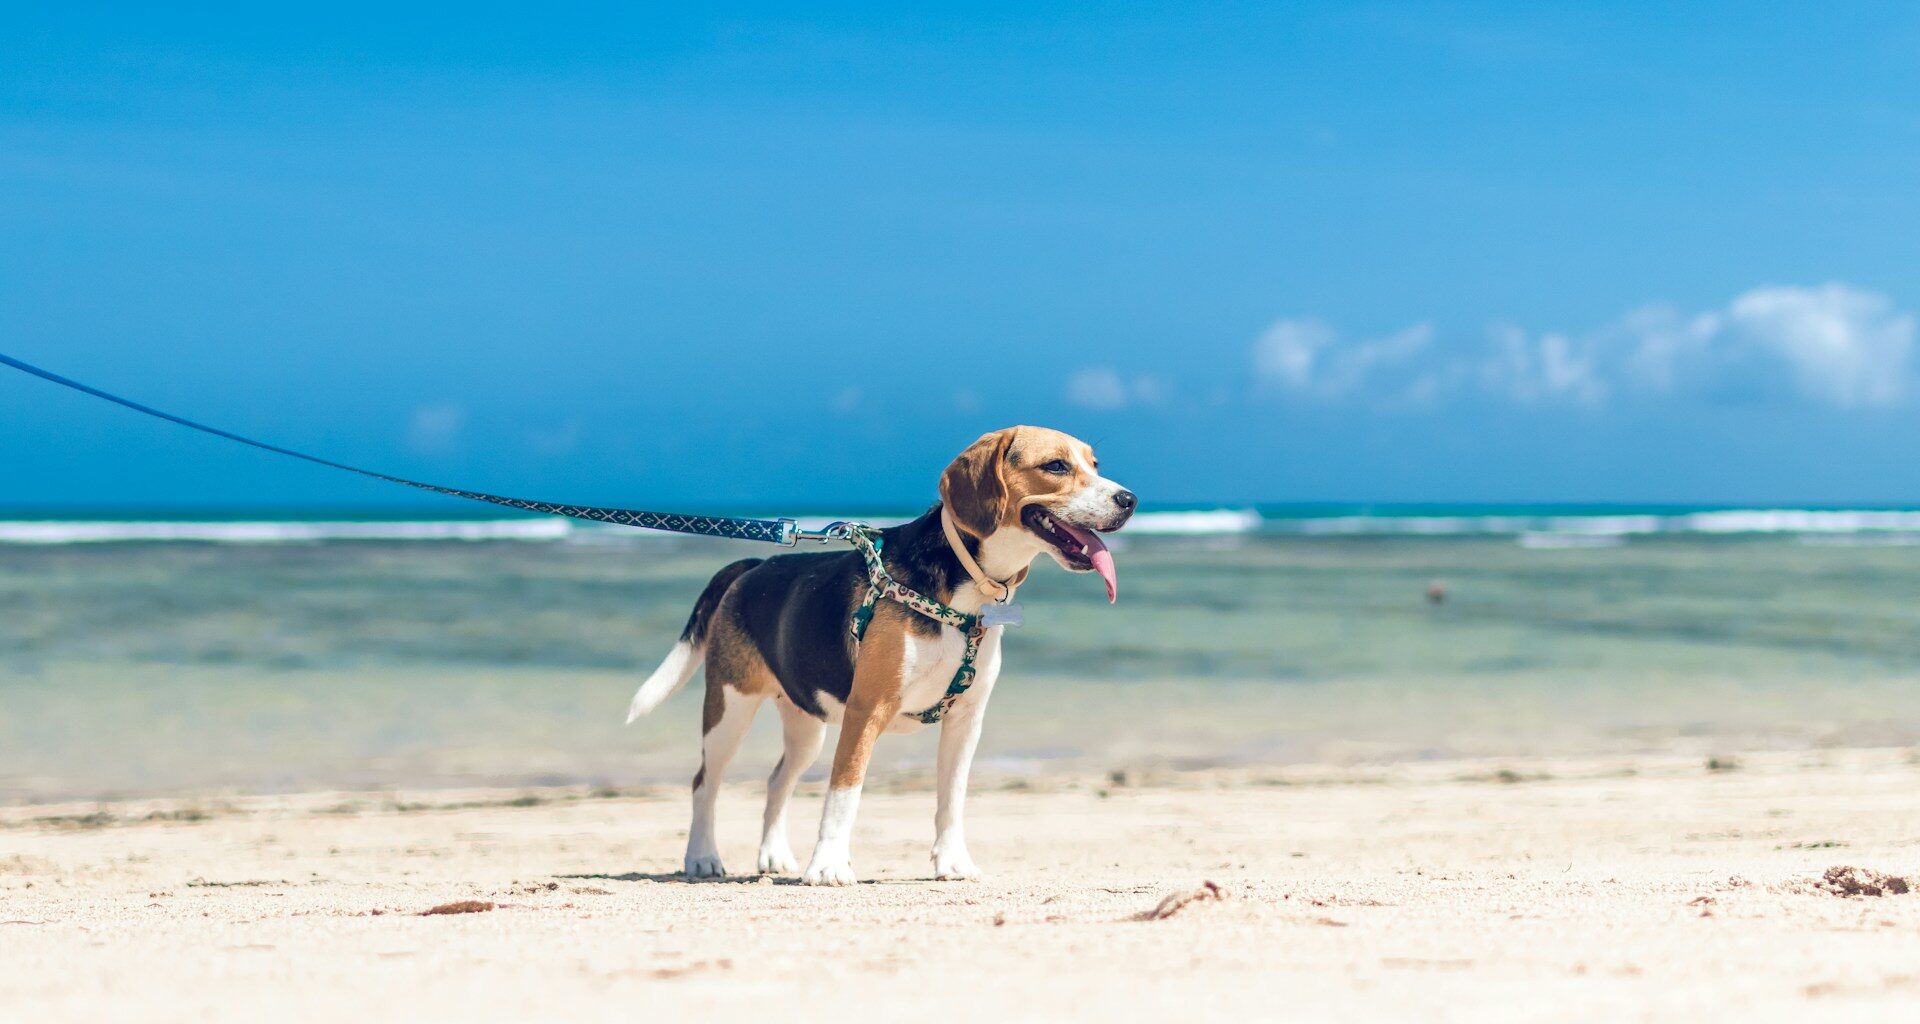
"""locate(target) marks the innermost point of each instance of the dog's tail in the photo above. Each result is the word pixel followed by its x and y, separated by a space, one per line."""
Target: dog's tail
pixel 686 656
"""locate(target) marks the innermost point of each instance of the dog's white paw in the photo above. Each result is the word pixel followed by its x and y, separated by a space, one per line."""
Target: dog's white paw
pixel 830 869
pixel 778 860
pixel 954 865
pixel 705 865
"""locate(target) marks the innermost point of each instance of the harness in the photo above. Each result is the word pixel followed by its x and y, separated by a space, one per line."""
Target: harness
pixel 775 531
pixel 868 542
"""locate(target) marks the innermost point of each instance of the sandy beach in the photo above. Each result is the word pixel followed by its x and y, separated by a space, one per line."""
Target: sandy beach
pixel 1533 889
pixel 1592 785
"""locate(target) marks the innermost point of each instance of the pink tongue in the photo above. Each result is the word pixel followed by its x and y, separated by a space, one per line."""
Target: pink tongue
pixel 1102 558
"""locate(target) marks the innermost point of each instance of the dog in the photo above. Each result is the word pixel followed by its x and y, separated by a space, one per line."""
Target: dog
pixel 778 629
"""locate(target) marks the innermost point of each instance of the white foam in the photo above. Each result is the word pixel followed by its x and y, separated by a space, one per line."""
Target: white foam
pixel 106 532
pixel 1422 526
pixel 1210 522
pixel 1604 526
pixel 1219 522
pixel 1715 523
pixel 1789 520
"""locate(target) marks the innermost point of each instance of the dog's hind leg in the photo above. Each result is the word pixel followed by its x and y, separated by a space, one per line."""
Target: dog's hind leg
pixel 729 713
pixel 802 734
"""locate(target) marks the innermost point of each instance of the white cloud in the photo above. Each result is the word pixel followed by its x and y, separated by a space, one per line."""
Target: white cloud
pixel 1287 351
pixel 1103 389
pixel 1308 356
pixel 1543 370
pixel 1151 390
pixel 1097 387
pixel 1846 346
pixel 1350 371
pixel 1661 344
pixel 435 429
pixel 1833 344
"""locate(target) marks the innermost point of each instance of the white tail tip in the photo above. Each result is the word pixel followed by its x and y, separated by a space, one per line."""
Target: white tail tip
pixel 672 674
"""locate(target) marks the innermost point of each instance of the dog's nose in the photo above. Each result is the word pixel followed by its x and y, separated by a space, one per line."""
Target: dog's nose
pixel 1125 500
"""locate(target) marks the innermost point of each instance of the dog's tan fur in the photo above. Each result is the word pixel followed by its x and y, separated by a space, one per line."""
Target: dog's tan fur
pixel 875 698
pixel 733 661
pixel 988 484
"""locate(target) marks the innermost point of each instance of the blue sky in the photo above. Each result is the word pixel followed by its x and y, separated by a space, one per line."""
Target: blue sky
pixel 761 258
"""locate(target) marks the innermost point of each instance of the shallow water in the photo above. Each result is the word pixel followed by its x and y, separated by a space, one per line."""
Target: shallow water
pixel 137 668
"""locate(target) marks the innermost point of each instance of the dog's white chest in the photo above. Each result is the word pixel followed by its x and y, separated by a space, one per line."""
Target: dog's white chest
pixel 927 667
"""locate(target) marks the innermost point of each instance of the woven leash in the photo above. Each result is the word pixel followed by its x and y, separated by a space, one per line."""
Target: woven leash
pixel 772 531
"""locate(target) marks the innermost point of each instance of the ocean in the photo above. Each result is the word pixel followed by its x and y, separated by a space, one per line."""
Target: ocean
pixel 1531 523
pixel 258 651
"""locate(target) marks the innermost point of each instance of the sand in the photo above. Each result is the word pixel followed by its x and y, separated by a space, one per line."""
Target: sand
pixel 1513 890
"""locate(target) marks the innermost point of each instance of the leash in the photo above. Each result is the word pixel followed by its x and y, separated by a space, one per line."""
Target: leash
pixel 783 531
pixel 773 531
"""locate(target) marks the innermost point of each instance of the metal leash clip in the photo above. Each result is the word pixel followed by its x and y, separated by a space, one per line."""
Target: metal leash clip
pixel 791 533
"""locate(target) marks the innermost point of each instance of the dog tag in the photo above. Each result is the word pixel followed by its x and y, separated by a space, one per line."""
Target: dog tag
pixel 1002 613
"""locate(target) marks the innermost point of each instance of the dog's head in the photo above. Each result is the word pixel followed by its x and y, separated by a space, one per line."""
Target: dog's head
pixel 1034 489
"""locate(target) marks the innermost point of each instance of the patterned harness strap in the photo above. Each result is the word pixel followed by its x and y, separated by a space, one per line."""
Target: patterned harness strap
pixel 879 584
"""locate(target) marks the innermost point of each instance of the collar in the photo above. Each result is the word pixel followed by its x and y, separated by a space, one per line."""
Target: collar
pixel 994 590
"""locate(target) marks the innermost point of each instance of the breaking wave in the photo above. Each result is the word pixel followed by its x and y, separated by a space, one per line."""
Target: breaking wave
pixel 1533 527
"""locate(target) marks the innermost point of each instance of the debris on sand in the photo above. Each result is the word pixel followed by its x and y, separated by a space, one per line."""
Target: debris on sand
pixel 1851 881
pixel 459 907
pixel 1176 902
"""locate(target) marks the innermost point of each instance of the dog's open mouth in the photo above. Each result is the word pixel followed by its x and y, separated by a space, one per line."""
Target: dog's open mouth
pixel 1081 548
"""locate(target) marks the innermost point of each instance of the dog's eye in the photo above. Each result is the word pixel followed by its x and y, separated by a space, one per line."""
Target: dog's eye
pixel 1057 467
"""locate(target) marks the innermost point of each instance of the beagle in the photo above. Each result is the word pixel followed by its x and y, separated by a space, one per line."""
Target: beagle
pixel 777 629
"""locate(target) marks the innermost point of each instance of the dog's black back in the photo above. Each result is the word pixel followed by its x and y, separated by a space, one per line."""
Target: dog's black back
pixel 797 609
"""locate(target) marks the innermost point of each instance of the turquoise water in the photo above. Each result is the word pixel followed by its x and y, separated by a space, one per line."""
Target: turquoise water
pixel 145 667
pixel 1304 518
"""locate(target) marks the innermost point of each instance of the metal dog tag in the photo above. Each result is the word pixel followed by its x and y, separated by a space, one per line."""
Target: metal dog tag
pixel 1002 613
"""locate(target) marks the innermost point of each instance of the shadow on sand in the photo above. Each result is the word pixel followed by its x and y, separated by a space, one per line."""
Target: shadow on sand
pixel 681 878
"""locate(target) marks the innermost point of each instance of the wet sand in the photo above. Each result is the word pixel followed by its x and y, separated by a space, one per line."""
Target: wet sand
pixel 1520 889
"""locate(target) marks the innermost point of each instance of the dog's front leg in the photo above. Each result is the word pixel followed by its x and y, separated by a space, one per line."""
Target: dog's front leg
pixel 832 862
pixel 959 735
pixel 872 703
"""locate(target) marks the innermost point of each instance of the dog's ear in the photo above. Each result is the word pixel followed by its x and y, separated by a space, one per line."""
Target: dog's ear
pixel 974 487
